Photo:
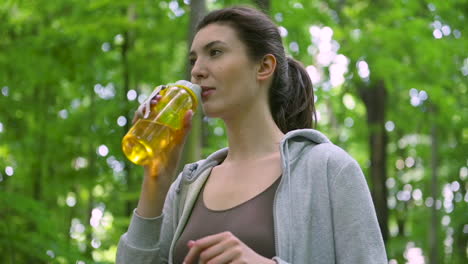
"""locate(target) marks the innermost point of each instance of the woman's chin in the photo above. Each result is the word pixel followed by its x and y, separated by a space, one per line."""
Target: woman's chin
pixel 208 110
pixel 211 110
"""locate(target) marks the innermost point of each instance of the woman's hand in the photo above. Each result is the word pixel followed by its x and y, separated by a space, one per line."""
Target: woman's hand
pixel 159 174
pixel 174 154
pixel 222 248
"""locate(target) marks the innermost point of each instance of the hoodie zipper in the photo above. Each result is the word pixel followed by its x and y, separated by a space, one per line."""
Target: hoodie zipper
pixel 275 200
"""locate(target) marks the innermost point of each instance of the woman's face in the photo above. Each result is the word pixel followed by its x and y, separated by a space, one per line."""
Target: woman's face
pixel 222 68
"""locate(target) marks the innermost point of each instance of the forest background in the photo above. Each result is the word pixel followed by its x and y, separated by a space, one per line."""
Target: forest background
pixel 390 79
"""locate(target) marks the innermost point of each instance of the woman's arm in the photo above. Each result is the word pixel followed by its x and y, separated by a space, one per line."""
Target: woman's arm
pixel 153 193
pixel 356 231
pixel 148 239
pixel 144 243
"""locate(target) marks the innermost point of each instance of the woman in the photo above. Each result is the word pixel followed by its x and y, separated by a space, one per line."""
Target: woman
pixel 280 193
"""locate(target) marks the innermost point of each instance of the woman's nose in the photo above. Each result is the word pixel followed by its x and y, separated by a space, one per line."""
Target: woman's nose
pixel 199 71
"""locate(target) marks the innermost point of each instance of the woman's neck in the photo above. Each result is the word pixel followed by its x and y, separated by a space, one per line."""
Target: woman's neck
pixel 252 135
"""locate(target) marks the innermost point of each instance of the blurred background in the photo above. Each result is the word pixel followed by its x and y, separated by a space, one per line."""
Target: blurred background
pixel 390 79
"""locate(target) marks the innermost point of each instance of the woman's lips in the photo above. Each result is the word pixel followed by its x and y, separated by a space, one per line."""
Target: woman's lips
pixel 207 91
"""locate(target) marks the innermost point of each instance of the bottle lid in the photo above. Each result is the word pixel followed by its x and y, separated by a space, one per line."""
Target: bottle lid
pixel 194 87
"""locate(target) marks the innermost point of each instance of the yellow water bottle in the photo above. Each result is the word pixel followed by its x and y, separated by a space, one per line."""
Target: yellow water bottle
pixel 152 137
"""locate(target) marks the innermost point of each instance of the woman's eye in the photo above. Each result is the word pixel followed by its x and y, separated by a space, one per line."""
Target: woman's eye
pixel 192 61
pixel 215 52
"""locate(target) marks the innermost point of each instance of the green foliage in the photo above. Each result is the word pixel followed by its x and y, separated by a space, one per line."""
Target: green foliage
pixel 66 67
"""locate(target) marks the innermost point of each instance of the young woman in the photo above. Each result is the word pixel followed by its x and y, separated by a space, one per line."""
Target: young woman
pixel 281 193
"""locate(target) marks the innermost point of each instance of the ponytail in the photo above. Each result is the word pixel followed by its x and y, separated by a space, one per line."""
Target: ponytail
pixel 292 97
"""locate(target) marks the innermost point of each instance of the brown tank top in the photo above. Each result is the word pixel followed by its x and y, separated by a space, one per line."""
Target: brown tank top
pixel 251 222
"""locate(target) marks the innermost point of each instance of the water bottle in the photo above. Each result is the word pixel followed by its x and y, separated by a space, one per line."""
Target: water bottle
pixel 153 137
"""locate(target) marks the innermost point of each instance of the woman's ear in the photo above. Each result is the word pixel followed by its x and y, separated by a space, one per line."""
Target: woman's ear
pixel 266 67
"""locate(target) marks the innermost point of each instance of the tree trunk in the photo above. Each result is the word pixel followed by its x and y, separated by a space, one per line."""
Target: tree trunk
pixel 400 212
pixel 374 98
pixel 37 180
pixel 40 135
pixel 89 231
pixel 126 46
pixel 92 172
pixel 193 146
pixel 433 232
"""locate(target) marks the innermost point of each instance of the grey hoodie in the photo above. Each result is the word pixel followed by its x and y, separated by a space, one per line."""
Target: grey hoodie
pixel 323 211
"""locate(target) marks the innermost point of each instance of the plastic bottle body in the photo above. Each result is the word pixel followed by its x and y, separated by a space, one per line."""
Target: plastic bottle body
pixel 151 139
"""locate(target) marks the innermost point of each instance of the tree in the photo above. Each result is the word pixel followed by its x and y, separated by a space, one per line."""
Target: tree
pixel 194 145
pixel 73 72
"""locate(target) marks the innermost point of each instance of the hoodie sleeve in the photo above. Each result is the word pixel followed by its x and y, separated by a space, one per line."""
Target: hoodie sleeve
pixel 356 231
pixel 280 261
pixel 147 240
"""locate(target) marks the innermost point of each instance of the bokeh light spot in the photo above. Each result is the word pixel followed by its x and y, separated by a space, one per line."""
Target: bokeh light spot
pixel 121 121
pixel 313 74
pixel 71 200
pixel 455 186
pixel 96 216
pixel 294 46
pixel 417 195
pixel 50 253
pixel 349 122
pixel 431 7
pixel 409 162
pixel 445 220
pixel 446 30
pixel 105 47
pixel 390 183
pixel 219 131
pixel 349 102
pixel 413 255
pixel 283 31
pixel 429 202
pixel 132 95
pixel 103 150
pixel 63 114
pixel 389 126
pixel 119 39
pixel 9 171
pixel 95 243
pixel 105 92
pixel 279 17
pixel 437 33
pixel 400 164
pixel 79 163
pixel 463 173
pixel 5 90
pixel 363 69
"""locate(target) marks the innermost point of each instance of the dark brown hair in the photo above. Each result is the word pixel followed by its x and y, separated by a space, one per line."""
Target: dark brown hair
pixel 291 96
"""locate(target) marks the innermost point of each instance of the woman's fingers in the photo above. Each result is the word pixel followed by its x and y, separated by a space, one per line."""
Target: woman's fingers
pixel 221 252
pixel 139 115
pixel 226 256
pixel 136 116
pixel 188 119
pixel 196 247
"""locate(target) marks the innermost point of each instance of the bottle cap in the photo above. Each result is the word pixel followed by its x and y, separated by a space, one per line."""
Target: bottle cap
pixel 194 87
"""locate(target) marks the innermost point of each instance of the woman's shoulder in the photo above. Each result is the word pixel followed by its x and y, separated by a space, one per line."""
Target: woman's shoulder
pixel 312 144
pixel 330 159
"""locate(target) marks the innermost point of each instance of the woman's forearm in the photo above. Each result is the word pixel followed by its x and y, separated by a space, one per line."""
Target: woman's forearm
pixel 153 193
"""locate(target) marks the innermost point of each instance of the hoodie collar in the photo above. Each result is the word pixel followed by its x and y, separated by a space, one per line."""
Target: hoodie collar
pixel 296 139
